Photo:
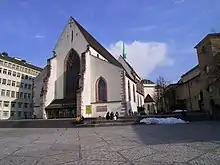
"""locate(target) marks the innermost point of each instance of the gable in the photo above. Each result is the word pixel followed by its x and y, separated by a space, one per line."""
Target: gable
pixel 96 45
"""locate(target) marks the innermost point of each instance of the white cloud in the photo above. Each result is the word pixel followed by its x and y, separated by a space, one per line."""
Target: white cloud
pixel 143 56
pixel 39 36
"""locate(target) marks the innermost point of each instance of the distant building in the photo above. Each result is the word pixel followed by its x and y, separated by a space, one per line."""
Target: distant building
pixel 198 88
pixel 16 87
pixel 83 78
pixel 149 93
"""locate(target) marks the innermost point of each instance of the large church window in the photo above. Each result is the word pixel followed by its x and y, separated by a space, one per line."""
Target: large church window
pixel 101 89
pixel 129 91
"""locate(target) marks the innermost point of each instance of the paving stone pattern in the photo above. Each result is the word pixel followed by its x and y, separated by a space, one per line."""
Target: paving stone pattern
pixel 179 144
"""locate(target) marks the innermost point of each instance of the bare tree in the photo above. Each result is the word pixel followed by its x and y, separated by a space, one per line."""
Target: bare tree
pixel 159 92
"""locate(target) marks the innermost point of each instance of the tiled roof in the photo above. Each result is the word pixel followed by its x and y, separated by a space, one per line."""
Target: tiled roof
pixel 146 81
pixel 97 46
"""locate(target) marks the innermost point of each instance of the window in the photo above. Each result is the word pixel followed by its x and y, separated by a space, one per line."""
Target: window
pixel 19 105
pixel 98 55
pixel 12 94
pixel 0 70
pixel 0 80
pixel 5 113
pixel 71 36
pixel 10 65
pixel 21 95
pixel 18 84
pixel 19 113
pixel 25 95
pixel 30 78
pixel 4 71
pixel 8 93
pixel 25 69
pixel 22 76
pixel 25 105
pixel 22 85
pixel 17 95
pixel 25 86
pixel 101 90
pixel 31 105
pixel 4 81
pixel 129 91
pixel 9 82
pixel 29 96
pixel 29 70
pixel 5 63
pixel 29 86
pixel 13 104
pixel 9 72
pixel 13 66
pixel 14 74
pixel 17 67
pixel 26 77
pixel 3 92
pixel 6 103
pixel 12 113
pixel 1 62
pixel 134 93
pixel 0 103
pixel 13 83
pixel 18 75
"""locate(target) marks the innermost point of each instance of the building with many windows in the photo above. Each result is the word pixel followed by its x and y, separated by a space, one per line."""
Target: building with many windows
pixel 16 87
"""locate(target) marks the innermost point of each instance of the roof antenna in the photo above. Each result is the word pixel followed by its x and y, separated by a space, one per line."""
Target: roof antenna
pixel 123 50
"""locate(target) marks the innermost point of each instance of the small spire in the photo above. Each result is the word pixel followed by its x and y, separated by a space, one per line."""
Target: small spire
pixel 123 50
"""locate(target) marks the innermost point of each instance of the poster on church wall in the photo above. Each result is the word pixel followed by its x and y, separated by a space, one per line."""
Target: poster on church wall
pixel 88 109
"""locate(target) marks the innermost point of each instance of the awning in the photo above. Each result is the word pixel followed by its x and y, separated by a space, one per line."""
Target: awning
pixel 61 104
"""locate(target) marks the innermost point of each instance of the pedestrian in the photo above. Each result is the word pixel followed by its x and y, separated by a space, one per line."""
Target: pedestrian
pixel 116 115
pixel 112 116
pixel 107 116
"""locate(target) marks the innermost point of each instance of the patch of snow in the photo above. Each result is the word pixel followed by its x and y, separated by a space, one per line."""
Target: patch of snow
pixel 170 120
pixel 179 110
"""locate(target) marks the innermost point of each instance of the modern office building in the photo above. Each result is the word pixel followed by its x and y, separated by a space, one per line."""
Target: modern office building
pixel 16 87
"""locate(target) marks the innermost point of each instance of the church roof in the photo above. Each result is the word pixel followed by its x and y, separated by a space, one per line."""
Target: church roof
pixel 97 46
pixel 146 81
pixel 148 99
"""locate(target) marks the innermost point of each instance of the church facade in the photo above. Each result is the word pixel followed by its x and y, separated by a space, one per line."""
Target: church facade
pixel 83 78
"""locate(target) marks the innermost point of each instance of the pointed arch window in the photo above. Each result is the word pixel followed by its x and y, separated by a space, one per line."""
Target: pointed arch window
pixel 129 91
pixel 134 93
pixel 101 90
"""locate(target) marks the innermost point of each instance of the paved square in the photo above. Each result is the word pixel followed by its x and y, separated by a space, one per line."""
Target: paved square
pixel 179 144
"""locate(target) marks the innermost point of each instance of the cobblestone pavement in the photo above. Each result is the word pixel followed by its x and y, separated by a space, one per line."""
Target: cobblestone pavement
pixel 179 144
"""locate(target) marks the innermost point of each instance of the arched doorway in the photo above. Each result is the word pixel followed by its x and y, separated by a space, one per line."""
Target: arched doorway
pixel 71 82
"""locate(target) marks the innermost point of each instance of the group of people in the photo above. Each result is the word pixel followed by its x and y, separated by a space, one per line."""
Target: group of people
pixel 112 116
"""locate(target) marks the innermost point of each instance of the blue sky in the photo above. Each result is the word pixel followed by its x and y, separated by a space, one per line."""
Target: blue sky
pixel 30 29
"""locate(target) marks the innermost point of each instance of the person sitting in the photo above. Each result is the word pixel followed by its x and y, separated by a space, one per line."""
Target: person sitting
pixel 107 116
pixel 112 116
pixel 116 115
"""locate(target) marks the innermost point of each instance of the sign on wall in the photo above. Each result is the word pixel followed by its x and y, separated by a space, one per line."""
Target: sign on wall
pixel 101 109
pixel 88 109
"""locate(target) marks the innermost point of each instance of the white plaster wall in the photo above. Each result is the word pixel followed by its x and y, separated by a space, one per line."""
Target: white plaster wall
pixel 38 84
pixel 111 73
pixel 93 52
pixel 79 44
pixel 149 89
pixel 111 107
pixel 131 104
pixel 86 93
pixel 50 95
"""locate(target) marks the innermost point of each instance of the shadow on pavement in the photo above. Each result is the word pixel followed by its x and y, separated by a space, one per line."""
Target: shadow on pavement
pixel 178 133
